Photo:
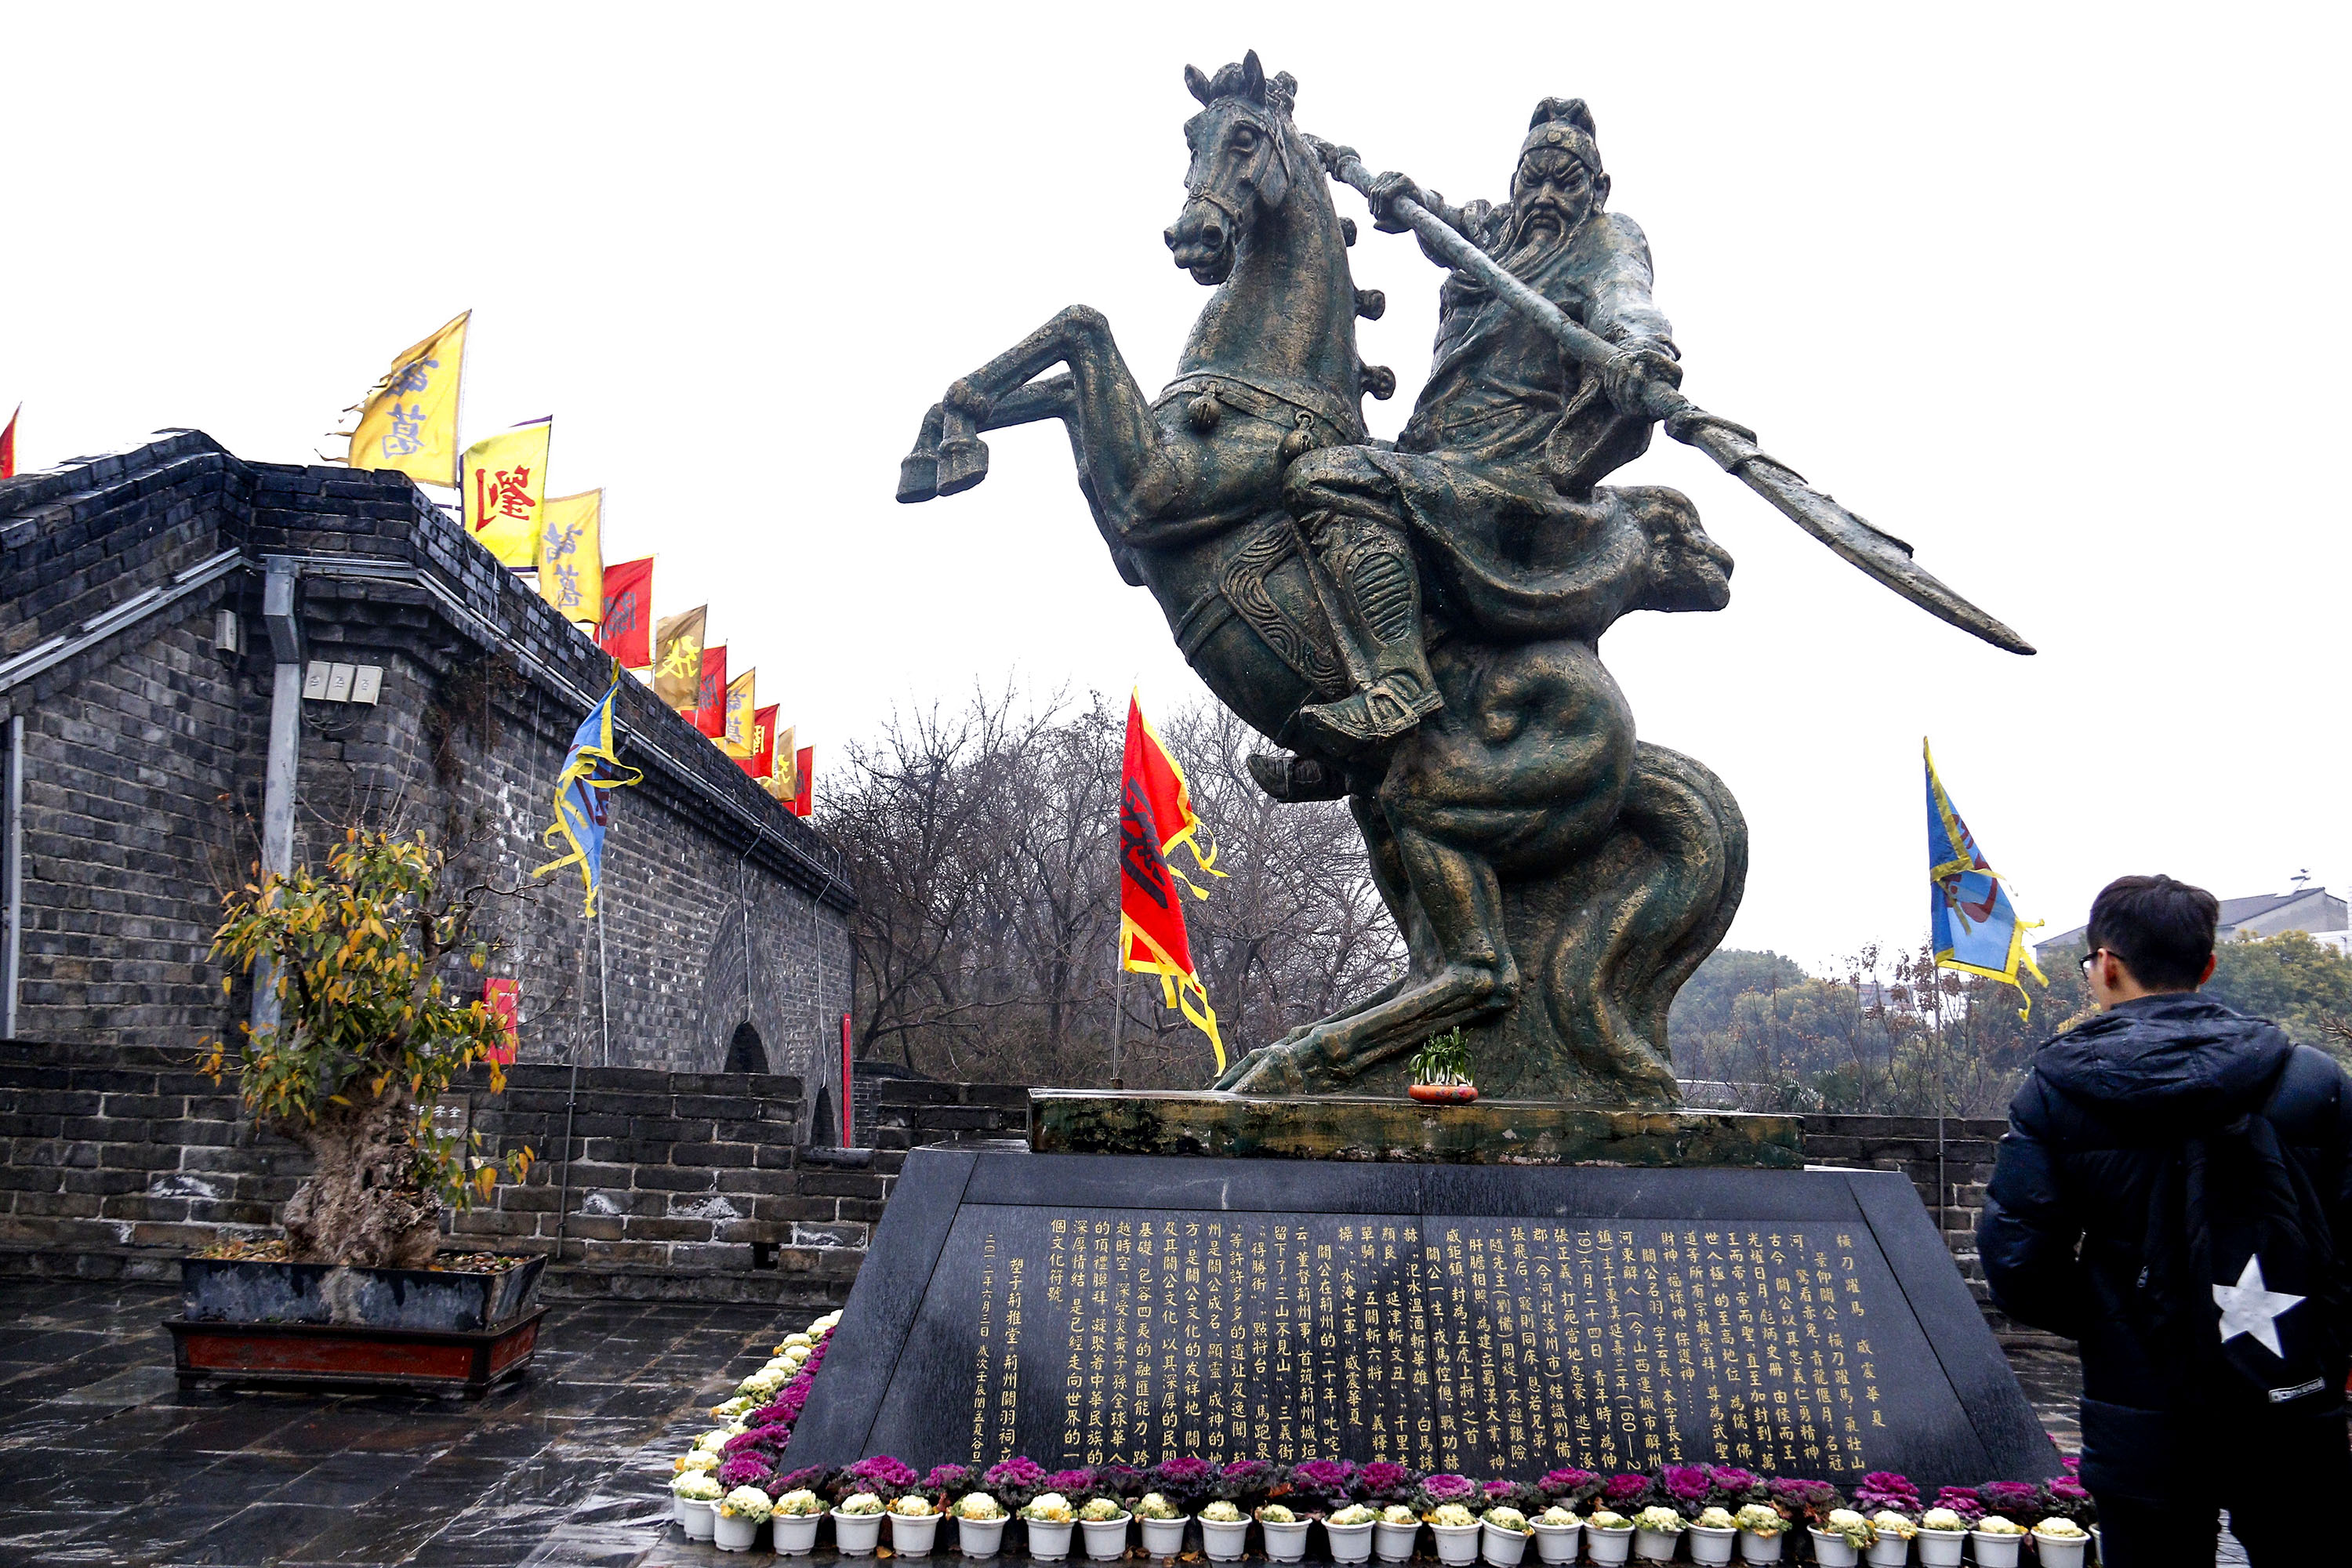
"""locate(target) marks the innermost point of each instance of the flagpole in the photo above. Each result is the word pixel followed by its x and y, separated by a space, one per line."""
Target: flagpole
pixel 1118 1011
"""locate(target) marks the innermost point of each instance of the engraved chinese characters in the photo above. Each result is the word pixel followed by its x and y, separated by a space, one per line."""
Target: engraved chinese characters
pixel 1485 1345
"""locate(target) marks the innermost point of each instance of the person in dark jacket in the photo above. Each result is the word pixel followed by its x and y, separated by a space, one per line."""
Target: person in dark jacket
pixel 2106 1109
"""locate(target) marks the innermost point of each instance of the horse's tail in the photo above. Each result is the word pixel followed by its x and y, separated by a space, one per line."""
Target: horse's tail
pixel 1645 910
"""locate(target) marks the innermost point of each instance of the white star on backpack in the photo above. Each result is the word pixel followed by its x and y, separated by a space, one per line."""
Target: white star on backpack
pixel 2250 1307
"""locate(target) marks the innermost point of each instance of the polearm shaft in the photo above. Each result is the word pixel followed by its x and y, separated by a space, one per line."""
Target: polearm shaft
pixel 1733 450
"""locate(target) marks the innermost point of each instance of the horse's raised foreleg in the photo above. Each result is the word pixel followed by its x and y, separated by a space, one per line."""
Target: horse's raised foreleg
pixel 919 470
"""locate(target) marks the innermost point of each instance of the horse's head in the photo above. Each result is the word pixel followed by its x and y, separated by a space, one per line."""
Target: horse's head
pixel 1246 155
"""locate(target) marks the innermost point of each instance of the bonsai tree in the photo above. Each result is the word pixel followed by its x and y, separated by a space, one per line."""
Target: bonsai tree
pixel 365 1042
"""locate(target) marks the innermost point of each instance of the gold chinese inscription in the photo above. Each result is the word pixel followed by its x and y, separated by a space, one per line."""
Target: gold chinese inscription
pixel 1480 1345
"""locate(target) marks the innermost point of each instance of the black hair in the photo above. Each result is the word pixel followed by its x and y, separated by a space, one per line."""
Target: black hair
pixel 2161 929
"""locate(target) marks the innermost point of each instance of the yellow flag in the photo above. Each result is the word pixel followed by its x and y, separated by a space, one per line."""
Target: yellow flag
pixel 410 421
pixel 783 779
pixel 503 481
pixel 740 737
pixel 677 657
pixel 570 557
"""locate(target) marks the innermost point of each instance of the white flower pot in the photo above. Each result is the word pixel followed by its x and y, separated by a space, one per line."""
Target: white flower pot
pixel 979 1537
pixel 1049 1541
pixel 1755 1547
pixel 794 1533
pixel 733 1534
pixel 1164 1537
pixel 1833 1551
pixel 2059 1550
pixel 1889 1551
pixel 1394 1542
pixel 1656 1545
pixel 1106 1538
pixel 697 1516
pixel 1558 1543
pixel 678 1508
pixel 1711 1544
pixel 1457 1543
pixel 1941 1548
pixel 1224 1539
pixel 856 1534
pixel 1285 1542
pixel 1995 1551
pixel 1501 1547
pixel 1609 1545
pixel 914 1537
pixel 1350 1542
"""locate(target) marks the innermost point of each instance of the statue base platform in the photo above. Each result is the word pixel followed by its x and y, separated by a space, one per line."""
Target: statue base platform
pixel 1369 1129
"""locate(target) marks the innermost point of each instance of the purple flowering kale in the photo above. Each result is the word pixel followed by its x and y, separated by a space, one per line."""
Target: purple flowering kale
pixel 1078 1486
pixel 745 1470
pixel 1013 1482
pixel 1246 1483
pixel 949 1480
pixel 2011 1499
pixel 816 1479
pixel 1381 1482
pixel 1119 1481
pixel 1729 1487
pixel 1807 1501
pixel 1321 1485
pixel 1571 1486
pixel 1886 1489
pixel 1515 1494
pixel 882 1473
pixel 1684 1487
pixel 2068 1499
pixel 1621 1490
pixel 1962 1501
pixel 1444 1487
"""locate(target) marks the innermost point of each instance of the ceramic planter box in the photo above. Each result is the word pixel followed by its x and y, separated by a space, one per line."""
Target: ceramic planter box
pixel 258 1322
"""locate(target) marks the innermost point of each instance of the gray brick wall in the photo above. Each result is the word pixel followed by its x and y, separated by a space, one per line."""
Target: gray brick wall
pixel 144 759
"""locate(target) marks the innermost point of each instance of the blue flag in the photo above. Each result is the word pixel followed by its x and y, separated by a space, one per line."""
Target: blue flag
pixel 1976 930
pixel 590 768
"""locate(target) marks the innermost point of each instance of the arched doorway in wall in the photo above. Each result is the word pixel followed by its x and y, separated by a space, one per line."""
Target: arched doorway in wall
pixel 744 1052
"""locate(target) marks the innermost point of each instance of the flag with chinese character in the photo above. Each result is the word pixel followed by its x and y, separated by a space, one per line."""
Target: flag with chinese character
pixel 737 732
pixel 783 777
pixel 626 630
pixel 804 780
pixel 677 659
pixel 409 422
pixel 8 444
pixel 501 481
pixel 762 759
pixel 570 558
pixel 1976 930
pixel 1152 938
pixel 710 697
pixel 593 766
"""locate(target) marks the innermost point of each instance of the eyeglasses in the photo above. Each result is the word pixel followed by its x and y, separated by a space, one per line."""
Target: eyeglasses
pixel 2089 958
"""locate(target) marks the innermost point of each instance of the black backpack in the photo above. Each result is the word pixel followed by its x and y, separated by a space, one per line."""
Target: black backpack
pixel 2238 1242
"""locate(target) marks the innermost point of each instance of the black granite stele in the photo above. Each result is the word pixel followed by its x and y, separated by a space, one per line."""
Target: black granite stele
pixel 1498 1321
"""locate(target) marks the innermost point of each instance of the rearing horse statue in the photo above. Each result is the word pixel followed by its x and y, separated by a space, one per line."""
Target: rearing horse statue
pixel 1556 879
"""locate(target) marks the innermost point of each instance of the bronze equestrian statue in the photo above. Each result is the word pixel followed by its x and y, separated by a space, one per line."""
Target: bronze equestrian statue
pixel 1417 625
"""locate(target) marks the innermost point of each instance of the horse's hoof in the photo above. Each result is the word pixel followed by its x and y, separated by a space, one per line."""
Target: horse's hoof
pixel 918 476
pixel 963 463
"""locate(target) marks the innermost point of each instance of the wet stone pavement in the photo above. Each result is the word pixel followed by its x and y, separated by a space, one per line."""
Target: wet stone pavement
pixel 102 1459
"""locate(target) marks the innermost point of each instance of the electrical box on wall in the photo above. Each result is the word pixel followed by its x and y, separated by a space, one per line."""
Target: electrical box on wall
pixel 325 682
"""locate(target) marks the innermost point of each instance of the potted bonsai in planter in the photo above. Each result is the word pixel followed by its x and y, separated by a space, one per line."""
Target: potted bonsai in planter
pixel 365 1041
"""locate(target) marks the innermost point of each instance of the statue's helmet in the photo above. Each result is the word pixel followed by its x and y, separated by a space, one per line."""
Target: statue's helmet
pixel 1565 122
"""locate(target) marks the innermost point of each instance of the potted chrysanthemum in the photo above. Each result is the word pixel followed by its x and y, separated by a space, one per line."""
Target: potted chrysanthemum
pixel 857 1524
pixel 1608 1536
pixel 1457 1528
pixel 1225 1530
pixel 1558 1532
pixel 1396 1532
pixel 1996 1540
pixel 1162 1524
pixel 1285 1532
pixel 1761 1527
pixel 914 1525
pixel 1712 1536
pixel 2059 1542
pixel 1656 1530
pixel 1048 1519
pixel 1840 1539
pixel 736 1523
pixel 1891 1534
pixel 1105 1524
pixel 1503 1536
pixel 1349 1532
pixel 793 1521
pixel 697 1494
pixel 980 1524
pixel 1942 1533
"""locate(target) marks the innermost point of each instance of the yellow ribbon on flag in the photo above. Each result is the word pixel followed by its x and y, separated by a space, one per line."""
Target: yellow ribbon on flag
pixel 571 556
pixel 409 422
pixel 502 483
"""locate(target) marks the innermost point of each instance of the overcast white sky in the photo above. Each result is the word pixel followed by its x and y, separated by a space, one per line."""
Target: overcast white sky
pixel 2052 292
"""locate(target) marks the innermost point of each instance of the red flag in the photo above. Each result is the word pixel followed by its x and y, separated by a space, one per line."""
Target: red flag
pixel 710 702
pixel 8 444
pixel 762 760
pixel 803 765
pixel 502 995
pixel 626 630
pixel 1155 811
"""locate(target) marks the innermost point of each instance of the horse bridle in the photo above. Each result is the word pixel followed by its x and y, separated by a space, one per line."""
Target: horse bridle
pixel 1280 149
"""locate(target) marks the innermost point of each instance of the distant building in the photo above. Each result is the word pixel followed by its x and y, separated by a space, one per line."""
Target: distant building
pixel 2311 909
